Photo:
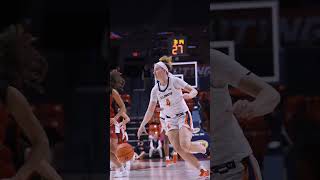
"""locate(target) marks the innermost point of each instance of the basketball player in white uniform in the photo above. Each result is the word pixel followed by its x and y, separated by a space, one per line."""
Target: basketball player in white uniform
pixel 232 155
pixel 178 121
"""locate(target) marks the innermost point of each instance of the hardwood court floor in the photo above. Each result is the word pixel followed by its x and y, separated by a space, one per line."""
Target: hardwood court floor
pixel 157 170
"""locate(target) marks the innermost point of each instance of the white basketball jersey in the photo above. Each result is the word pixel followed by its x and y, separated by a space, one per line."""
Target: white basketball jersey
pixel 226 134
pixel 170 97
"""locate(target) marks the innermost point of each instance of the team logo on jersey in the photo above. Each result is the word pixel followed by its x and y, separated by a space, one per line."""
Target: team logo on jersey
pixel 166 95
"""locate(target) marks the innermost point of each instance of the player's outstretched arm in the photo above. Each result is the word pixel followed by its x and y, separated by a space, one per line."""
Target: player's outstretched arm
pixel 147 117
pixel 40 153
pixel 120 103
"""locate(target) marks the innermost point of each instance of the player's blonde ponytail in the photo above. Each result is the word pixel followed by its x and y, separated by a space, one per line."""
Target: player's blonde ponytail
pixel 167 60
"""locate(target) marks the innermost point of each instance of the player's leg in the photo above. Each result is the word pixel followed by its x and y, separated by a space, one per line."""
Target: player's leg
pixel 113 150
pixel 160 152
pixel 166 146
pixel 151 152
pixel 120 170
pixel 186 126
pixel 166 150
pixel 186 144
pixel 185 136
pixel 173 136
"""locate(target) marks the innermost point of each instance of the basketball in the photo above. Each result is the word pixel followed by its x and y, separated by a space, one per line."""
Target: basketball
pixel 125 152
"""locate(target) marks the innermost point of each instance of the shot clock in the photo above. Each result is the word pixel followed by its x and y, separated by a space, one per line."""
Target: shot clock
pixel 178 46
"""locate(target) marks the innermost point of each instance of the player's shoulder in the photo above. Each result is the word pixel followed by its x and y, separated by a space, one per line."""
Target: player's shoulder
pixel 222 62
pixel 175 79
pixel 155 88
pixel 217 57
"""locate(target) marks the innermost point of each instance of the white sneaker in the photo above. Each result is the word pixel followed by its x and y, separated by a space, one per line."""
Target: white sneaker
pixel 127 166
pixel 119 174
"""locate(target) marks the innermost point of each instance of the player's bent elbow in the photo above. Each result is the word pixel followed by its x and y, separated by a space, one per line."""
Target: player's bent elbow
pixel 196 92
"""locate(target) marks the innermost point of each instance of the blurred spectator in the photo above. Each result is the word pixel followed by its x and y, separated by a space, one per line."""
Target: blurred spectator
pixel 139 151
pixel 155 145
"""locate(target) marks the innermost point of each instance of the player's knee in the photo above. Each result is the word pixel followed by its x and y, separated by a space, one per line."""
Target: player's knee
pixel 178 149
pixel 185 146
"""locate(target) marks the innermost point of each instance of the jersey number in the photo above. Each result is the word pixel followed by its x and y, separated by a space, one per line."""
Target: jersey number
pixel 168 102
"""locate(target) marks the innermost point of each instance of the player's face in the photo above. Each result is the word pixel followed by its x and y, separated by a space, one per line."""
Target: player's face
pixel 160 73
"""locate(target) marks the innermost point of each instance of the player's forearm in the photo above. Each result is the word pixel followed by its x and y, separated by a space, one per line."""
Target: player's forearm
pixel 193 93
pixel 117 116
pixel 123 110
pixel 126 118
pixel 147 117
pixel 266 101
pixel 36 156
pixel 48 172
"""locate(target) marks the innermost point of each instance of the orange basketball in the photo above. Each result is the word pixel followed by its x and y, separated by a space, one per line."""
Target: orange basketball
pixel 125 152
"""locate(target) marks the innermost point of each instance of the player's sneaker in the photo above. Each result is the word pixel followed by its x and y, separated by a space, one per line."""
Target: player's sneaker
pixel 119 174
pixel 168 162
pixel 175 157
pixel 204 173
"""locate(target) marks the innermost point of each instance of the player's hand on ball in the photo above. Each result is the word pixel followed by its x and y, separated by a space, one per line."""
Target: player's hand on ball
pixel 244 109
pixel 141 130
pixel 186 96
